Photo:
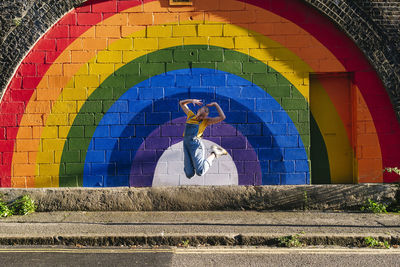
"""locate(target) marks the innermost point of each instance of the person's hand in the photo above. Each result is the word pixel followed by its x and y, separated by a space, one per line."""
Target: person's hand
pixel 212 104
pixel 197 102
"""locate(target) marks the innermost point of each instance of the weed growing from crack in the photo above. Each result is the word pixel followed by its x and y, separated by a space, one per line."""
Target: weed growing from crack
pixel 290 241
pixel 21 206
pixel 372 206
pixel 4 209
pixel 17 21
pixel 184 243
pixel 373 243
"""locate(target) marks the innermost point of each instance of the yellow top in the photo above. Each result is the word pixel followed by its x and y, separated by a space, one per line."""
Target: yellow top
pixel 191 119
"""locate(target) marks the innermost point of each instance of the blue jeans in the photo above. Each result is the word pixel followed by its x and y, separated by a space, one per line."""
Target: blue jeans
pixel 194 152
pixel 194 157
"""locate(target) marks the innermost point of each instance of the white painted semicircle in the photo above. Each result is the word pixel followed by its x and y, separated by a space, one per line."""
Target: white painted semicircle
pixel 169 169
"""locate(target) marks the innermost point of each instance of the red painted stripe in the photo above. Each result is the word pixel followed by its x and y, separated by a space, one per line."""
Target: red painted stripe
pixel 20 90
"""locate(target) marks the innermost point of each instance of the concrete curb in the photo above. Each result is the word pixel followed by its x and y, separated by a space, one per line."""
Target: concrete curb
pixel 204 198
pixel 194 240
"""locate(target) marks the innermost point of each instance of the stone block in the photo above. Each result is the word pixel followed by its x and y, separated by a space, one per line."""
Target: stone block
pixel 162 81
pixel 96 156
pixel 128 118
pixel 271 153
pixel 231 91
pixel 246 42
pixel 169 42
pixel 226 42
pixel 195 180
pixel 287 141
pixel 175 167
pixel 301 166
pixel 250 129
pixel 119 106
pixel 129 143
pixel 294 104
pixel 143 130
pixel 105 143
pixel 160 56
pixel 280 117
pixel 254 117
pixel 278 166
pixel 260 141
pixel 150 69
pixel 187 80
pixel 182 68
pixel 267 104
pixel 295 153
pixel 235 117
pixel 172 130
pixel 122 131
pixel 159 31
pixel 157 117
pixel 150 93
pixel 212 55
pixel 108 119
pixel 225 167
pixel 157 143
pixel 213 80
pixel 184 30
pixel 279 91
pixel 233 143
pixel 243 80
pixel 294 178
pixel 244 155
pixel 168 105
pixel 217 179
pixel 186 55
pixel 210 30
pixel 276 129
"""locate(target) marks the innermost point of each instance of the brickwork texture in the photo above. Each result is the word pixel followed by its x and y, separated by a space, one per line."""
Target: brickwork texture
pixel 91 91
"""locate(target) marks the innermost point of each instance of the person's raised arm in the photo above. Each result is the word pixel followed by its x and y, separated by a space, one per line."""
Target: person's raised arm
pixel 221 114
pixel 184 103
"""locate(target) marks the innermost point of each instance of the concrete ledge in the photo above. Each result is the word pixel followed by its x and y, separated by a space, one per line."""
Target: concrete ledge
pixel 195 198
pixel 194 240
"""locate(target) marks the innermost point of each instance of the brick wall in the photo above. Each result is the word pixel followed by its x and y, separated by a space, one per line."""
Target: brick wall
pixel 100 89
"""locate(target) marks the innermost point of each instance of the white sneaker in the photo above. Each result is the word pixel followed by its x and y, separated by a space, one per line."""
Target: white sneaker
pixel 218 151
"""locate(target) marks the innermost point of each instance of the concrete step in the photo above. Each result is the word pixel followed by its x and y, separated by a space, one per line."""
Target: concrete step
pixel 227 228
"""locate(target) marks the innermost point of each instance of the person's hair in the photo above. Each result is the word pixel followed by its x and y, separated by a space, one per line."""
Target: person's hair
pixel 206 109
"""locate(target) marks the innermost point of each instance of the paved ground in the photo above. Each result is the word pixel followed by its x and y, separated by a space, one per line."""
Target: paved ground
pixel 214 228
pixel 212 256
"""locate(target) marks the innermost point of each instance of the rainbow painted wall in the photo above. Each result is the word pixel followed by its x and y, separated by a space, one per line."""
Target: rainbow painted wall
pixel 95 102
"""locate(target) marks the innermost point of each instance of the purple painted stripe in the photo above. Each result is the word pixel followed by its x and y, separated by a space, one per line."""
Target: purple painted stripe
pixel 145 161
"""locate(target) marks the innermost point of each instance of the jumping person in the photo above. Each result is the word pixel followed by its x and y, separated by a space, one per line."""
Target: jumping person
pixel 193 147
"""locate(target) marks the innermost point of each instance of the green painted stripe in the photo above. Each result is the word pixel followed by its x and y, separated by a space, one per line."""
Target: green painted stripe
pixel 155 63
pixel 320 171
